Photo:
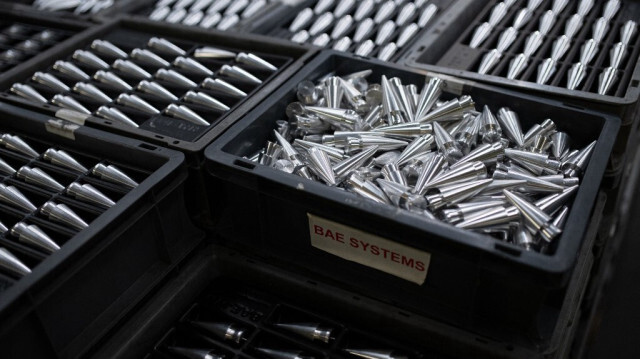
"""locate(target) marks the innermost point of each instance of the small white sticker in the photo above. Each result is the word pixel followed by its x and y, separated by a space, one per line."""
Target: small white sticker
pixel 370 250
pixel 72 116
pixel 62 128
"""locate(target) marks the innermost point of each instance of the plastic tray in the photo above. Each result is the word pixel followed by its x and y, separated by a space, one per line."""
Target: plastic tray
pixel 75 295
pixel 471 280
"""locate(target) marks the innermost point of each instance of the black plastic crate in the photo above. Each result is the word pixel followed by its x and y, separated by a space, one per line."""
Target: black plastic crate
pixel 446 49
pixel 75 295
pixel 472 281
pixel 100 13
pixel 277 24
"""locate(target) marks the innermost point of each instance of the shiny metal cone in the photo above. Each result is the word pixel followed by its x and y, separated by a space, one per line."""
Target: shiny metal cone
pixel 419 146
pixel 194 353
pixel 588 51
pixel 561 217
pixel 490 130
pixel 320 164
pixel 606 80
pixel 6 168
pixel 165 46
pixel 336 116
pixel 239 74
pixel 538 129
pixel 50 81
pixel 321 40
pixel 573 25
pixel 15 143
pixel 226 331
pixel 526 157
pixel 199 5
pixel 532 43
pixel 406 34
pixel 375 354
pixel 498 13
pixel 355 98
pixel 185 113
pixel 561 180
pixel 578 163
pixel 282 354
pixel 584 7
pixel 517 65
pixel 148 57
pixel 364 141
pixel 192 65
pixel 343 44
pixel 311 331
pixel 107 48
pixel 428 172
pixel 322 23
pixel 255 61
pixel 14 198
pixel 159 13
pixel 155 89
pixel 405 103
pixel 227 22
pixel 63 159
pixel 91 91
pixel 546 70
pixel 208 22
pixel 533 4
pixel 430 94
pixel 301 20
pixel 560 47
pixel 385 11
pixel 205 100
pixel 136 102
pixel 27 92
pixel 480 34
pixel 496 187
pixel 523 238
pixel 384 32
pixel 11 264
pixel 559 144
pixel 112 174
pixel 334 153
pixel 534 218
pixel 489 60
pixel 600 28
pixel 576 74
pixel 112 80
pixel 446 144
pixel 405 14
pixel 333 91
pixel 486 153
pixel 467 172
pixel 405 130
pixel 460 211
pixel 522 18
pixel 466 136
pixel 113 114
pixel 323 6
pixel 454 193
pixel 218 6
pixel 558 5
pixel 344 7
pixel 175 78
pixel 193 18
pixel 61 213
pixel 131 69
pixel 176 16
pixel 38 177
pixel 617 54
pixel 365 9
pixel 547 20
pixel 236 6
pixel 90 59
pixel 506 39
pixel 534 184
pixel 553 202
pixel 88 193
pixel 400 196
pixel 627 31
pixel 210 52
pixel 363 30
pixel 610 9
pixel 427 15
pixel 223 87
pixel 510 124
pixel 345 167
pixel 449 111
pixel 34 236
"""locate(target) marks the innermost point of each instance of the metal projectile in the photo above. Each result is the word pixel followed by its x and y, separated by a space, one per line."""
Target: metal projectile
pixel 192 65
pixel 578 163
pixel 107 48
pixel 606 80
pixel 561 217
pixel 227 22
pixel 384 32
pixel 322 6
pixel 627 31
pixel 112 174
pixel 460 211
pixel 176 16
pixel 159 13
pixel 333 92
pixel 210 52
pixel 91 91
pixel 90 59
pixel 113 114
pixel 11 264
pixel 61 213
pixel 547 20
pixel 454 193
pixel 131 69
pixel 402 130
pixel 533 4
pixel 486 153
pixel 307 93
pixel 573 25
pixel 236 6
pixel 490 217
pixel 576 74
pixel 506 39
pixel 311 331
pixel 218 6
pixel 321 24
pixel 34 236
pixel 534 184
pixel 344 7
pixel 223 87
pixel 208 22
pixel 405 14
pixel 466 172
pixel 38 177
pixel 427 15
pixel 155 89
pixel 584 7
pixel 532 43
pixel 136 102
pixel 88 193
pixel 301 20
pixel 446 144
pixel 13 197
pixel 560 47
pixel 418 146
pixel 185 113
pixel 450 110
pixel 362 142
pixel 553 202
pixel 165 46
pixel 363 30
pixel 343 44
pixel 546 69
pixel 467 136
pixel 496 187
pixel 334 153
pixel 149 57
pixel 375 354
pixel 193 18
pixel 490 130
pixel 538 159
pixel 320 164
pixel 27 92
pixel 480 34
pixel 610 9
pixel 400 196
pixel 559 144
pixel 111 79
pixel 406 34
pixel 50 81
pixel 561 180
pixel 402 102
pixel 194 353
pixel 253 8
pixel 346 167
pixel 523 238
pixel 15 143
pixel 239 74
pixel 175 78
pixel 617 54
pixel 6 168
pixel 588 51
pixel 63 159
pixel 510 124
pixel 365 9
pixel 321 40
pixel 558 5
pixel 535 219
pixel 600 28
pixel 384 12
pixel 352 95
pixel 428 172
pixel 387 51
pixel 489 60
pixel 430 94
pixel 498 13
pixel 283 354
pixel 205 100
pixel 522 18
pixel 254 61
pixel 230 332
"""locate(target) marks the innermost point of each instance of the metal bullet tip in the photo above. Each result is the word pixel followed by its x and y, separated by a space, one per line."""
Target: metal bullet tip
pixel 227 331
pixel 387 51
pixel 113 174
pixel 584 7
pixel 406 34
pixel 600 28
pixel 573 25
pixel 627 31
pixel 165 46
pixel 322 23
pixel 88 193
pixel 63 159
pixel 113 114
pixel 546 69
pixel 223 87
pixel 427 15
pixel 321 40
pixel 497 13
pixel 522 18
pixel 617 54
pixel 17 144
pixel 517 65
pixel 385 11
pixel 255 61
pixel 90 91
pixel 480 34
pixel 301 20
pixel 209 52
pixel 533 43
pixel 364 30
pixel 34 236
pixel 90 59
pixel 343 44
pixel 149 57
pixel 185 113
pixel 11 264
pixel 192 65
pixel 365 48
pixel 155 89
pixel 547 20
pixel 375 353
pixel 39 178
pixel 606 80
pixel 205 100
pixel 560 47
pixel 50 81
pixel 322 6
pixel 489 60
pixel 13 197
pixel 175 78
pixel 130 68
pixel 239 73
pixel 107 48
pixel 137 103
pixel 588 51
pixel 577 73
pixel 61 213
pixel 506 39
pixel 112 80
pixel 27 92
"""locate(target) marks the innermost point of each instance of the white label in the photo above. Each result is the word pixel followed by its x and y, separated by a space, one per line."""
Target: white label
pixel 62 128
pixel 72 116
pixel 370 250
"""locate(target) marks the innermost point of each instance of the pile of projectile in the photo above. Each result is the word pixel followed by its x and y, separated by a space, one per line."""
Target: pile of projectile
pixel 390 144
